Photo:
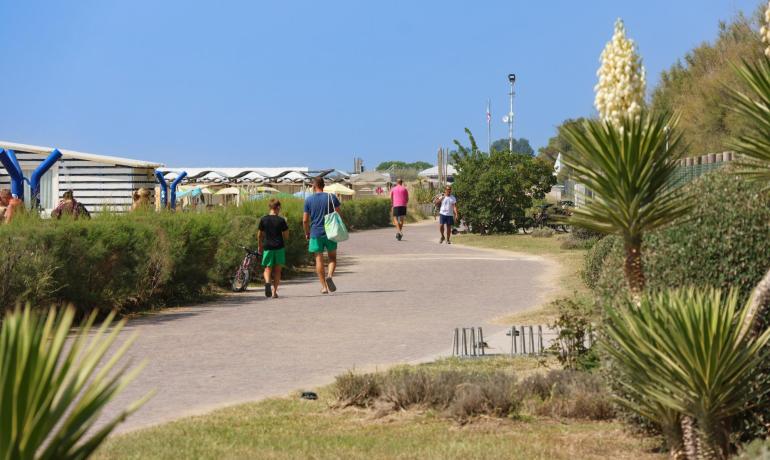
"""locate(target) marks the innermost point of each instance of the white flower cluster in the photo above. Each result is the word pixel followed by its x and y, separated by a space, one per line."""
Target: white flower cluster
pixel 765 30
pixel 620 91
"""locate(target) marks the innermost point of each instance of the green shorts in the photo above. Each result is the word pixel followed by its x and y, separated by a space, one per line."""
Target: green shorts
pixel 321 243
pixel 273 257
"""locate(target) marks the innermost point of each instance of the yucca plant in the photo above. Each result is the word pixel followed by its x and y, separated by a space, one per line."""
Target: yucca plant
pixel 685 353
pixel 53 387
pixel 629 167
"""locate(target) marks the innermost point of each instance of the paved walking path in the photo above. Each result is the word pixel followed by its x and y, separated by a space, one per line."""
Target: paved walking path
pixel 396 302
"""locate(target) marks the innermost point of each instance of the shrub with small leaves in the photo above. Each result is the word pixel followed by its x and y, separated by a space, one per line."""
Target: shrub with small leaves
pixel 544 232
pixel 568 394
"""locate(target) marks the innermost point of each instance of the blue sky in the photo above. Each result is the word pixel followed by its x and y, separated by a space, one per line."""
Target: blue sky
pixel 312 83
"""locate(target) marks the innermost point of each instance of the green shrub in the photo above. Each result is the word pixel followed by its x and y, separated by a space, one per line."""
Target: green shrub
pixel 574 328
pixel 724 244
pixel 543 232
pixel 146 259
pixel 459 395
pixel 567 394
pixel 596 258
pixel 360 390
pixel 575 243
pixel 582 233
pixel 366 213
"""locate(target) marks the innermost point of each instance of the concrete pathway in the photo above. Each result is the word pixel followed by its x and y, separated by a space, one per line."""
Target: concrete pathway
pixel 396 302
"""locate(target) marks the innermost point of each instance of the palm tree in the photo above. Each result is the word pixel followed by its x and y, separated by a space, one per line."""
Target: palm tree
pixel 754 144
pixel 629 168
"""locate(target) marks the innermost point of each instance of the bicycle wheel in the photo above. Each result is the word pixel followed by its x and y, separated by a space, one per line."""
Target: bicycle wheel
pixel 241 280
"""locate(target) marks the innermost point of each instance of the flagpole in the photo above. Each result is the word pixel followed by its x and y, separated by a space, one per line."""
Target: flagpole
pixel 489 129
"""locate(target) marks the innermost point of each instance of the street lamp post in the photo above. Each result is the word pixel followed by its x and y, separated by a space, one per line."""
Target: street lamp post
pixel 512 80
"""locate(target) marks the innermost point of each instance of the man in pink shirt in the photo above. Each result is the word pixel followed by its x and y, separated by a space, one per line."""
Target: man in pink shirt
pixel 399 196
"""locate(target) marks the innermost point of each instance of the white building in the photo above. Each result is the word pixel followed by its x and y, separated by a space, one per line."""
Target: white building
pixel 97 181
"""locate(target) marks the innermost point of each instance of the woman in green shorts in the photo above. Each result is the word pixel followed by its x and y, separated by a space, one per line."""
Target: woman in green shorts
pixel 273 231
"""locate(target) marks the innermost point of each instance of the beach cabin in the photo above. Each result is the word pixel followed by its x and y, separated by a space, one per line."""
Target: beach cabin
pixel 98 181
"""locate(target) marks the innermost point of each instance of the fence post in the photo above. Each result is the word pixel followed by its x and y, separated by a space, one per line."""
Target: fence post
pixel 513 340
pixel 540 338
pixel 531 340
pixel 456 343
pixel 523 340
pixel 481 341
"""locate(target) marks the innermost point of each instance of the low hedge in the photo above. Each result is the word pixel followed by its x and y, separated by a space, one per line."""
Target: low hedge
pixel 144 260
pixel 724 242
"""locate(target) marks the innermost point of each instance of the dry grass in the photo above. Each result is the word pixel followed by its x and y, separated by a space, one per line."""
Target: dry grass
pixel 569 280
pixel 294 428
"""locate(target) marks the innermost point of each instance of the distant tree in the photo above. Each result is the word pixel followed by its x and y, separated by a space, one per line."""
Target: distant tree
pixel 493 189
pixel 520 145
pixel 559 143
pixel 402 165
pixel 697 87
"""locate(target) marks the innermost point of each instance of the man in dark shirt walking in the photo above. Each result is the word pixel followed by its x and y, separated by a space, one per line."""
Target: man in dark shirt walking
pixel 273 231
pixel 317 206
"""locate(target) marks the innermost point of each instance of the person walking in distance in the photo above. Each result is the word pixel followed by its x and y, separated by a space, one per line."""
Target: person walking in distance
pixel 271 237
pixel 317 206
pixel 399 197
pixel 447 214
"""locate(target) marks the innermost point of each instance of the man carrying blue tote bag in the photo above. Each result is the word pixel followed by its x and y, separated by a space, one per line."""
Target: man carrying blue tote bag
pixel 318 207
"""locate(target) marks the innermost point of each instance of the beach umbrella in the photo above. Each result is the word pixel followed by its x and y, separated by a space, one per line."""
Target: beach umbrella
pixel 339 189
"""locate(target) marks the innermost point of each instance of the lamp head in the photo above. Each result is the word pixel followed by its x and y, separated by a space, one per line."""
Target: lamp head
pixel 512 77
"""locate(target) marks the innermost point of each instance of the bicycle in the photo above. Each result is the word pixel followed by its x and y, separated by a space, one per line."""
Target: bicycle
pixel 243 274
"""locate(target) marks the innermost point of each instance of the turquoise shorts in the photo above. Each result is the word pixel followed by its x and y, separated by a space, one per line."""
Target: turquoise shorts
pixel 320 244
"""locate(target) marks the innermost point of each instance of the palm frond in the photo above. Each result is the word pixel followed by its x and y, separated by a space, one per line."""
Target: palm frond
pixel 629 169
pixel 754 108
pixel 52 392
pixel 686 351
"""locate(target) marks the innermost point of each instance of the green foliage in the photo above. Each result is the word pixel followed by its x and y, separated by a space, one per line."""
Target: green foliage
pixel 543 232
pixel 685 354
pixel 395 165
pixel 520 145
pixel 147 259
pixel 493 189
pixel 559 143
pixel 723 243
pixel 753 109
pixel 366 213
pixel 565 393
pixel 574 339
pixel 52 389
pixel 596 257
pixel 698 87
